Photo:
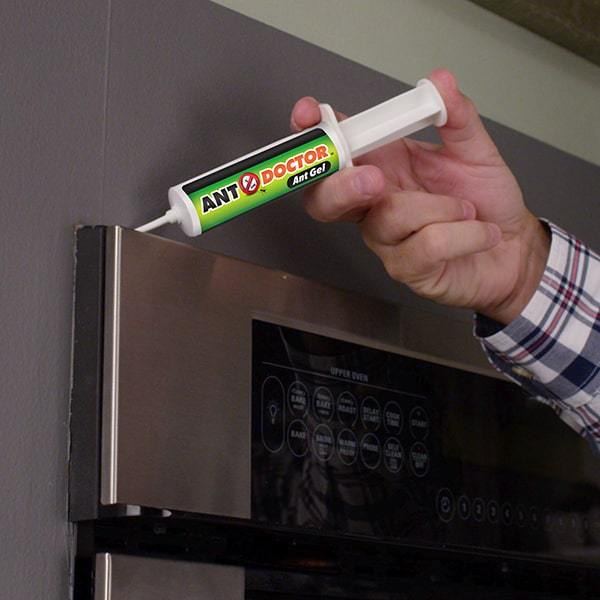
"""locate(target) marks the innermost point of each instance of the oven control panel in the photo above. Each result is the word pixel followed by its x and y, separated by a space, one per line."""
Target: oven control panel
pixel 354 440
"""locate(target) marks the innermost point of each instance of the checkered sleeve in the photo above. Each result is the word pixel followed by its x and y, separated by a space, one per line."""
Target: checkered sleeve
pixel 553 348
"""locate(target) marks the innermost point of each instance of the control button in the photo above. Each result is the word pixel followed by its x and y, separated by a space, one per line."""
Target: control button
pixel 298 398
pixel 464 507
pixel 478 509
pixel 548 520
pixel 370 414
pixel 493 511
pixel 521 515
pixel 444 504
pixel 323 442
pixel 347 409
pixel 418 421
pixel 534 516
pixel 298 438
pixel 323 403
pixel 347 446
pixel 393 455
pixel 392 418
pixel 419 459
pixel 507 513
pixel 272 414
pixel 370 451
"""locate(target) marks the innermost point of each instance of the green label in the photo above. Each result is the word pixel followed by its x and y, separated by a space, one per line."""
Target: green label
pixel 263 177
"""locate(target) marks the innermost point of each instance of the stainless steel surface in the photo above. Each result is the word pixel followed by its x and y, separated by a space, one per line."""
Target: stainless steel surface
pixel 103 577
pixel 120 577
pixel 110 400
pixel 179 321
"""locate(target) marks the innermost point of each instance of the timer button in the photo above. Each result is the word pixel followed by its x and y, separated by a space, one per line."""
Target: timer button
pixel 464 507
pixel 493 511
pixel 479 509
pixel 534 516
pixel 507 513
pixel 521 515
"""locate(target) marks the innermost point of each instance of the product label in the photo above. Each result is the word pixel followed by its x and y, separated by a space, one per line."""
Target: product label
pixel 263 177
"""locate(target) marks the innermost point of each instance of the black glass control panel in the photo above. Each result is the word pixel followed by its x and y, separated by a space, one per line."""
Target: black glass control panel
pixel 353 440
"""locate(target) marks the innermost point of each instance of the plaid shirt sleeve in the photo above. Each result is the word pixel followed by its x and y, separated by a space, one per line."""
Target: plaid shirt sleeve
pixel 553 348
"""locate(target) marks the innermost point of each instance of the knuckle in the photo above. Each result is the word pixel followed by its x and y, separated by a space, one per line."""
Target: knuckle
pixel 434 244
pixel 393 269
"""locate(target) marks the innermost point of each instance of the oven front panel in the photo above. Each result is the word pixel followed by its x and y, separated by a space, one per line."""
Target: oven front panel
pixel 354 440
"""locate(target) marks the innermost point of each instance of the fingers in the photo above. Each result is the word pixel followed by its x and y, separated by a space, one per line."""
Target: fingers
pixel 306 113
pixel 426 252
pixel 345 196
pixel 464 134
pixel 401 214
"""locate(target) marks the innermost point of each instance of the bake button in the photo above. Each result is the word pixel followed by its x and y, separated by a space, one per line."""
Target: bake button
pixel 298 398
pixel 370 414
pixel 323 403
pixel 393 455
pixel 521 515
pixel 347 409
pixel 419 459
pixel 479 509
pixel 298 438
pixel 323 443
pixel 507 513
pixel 464 507
pixel 370 451
pixel 493 511
pixel 392 418
pixel 347 446
pixel 272 414
pixel 418 421
pixel 444 504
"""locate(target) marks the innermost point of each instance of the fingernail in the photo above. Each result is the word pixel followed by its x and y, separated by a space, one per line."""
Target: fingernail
pixel 495 233
pixel 468 210
pixel 364 183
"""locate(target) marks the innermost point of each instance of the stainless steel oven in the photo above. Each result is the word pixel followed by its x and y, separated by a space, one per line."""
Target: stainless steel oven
pixel 206 387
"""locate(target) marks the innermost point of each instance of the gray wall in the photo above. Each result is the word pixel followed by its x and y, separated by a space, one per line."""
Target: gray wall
pixel 104 106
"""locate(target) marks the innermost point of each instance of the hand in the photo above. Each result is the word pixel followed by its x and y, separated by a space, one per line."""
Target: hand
pixel 449 221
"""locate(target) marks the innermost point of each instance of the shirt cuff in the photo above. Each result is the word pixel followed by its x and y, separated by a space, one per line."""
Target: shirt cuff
pixel 553 348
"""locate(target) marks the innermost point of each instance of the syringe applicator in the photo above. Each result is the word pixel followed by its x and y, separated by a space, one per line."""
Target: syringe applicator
pixel 291 163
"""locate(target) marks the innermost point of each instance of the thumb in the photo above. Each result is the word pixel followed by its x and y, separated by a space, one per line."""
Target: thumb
pixel 464 135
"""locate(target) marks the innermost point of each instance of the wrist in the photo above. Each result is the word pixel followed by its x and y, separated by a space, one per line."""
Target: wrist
pixel 534 248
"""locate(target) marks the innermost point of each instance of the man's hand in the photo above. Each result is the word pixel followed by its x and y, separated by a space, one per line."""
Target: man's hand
pixel 448 221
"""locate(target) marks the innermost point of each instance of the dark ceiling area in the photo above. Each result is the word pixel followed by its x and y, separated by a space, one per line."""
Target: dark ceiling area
pixel 573 24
